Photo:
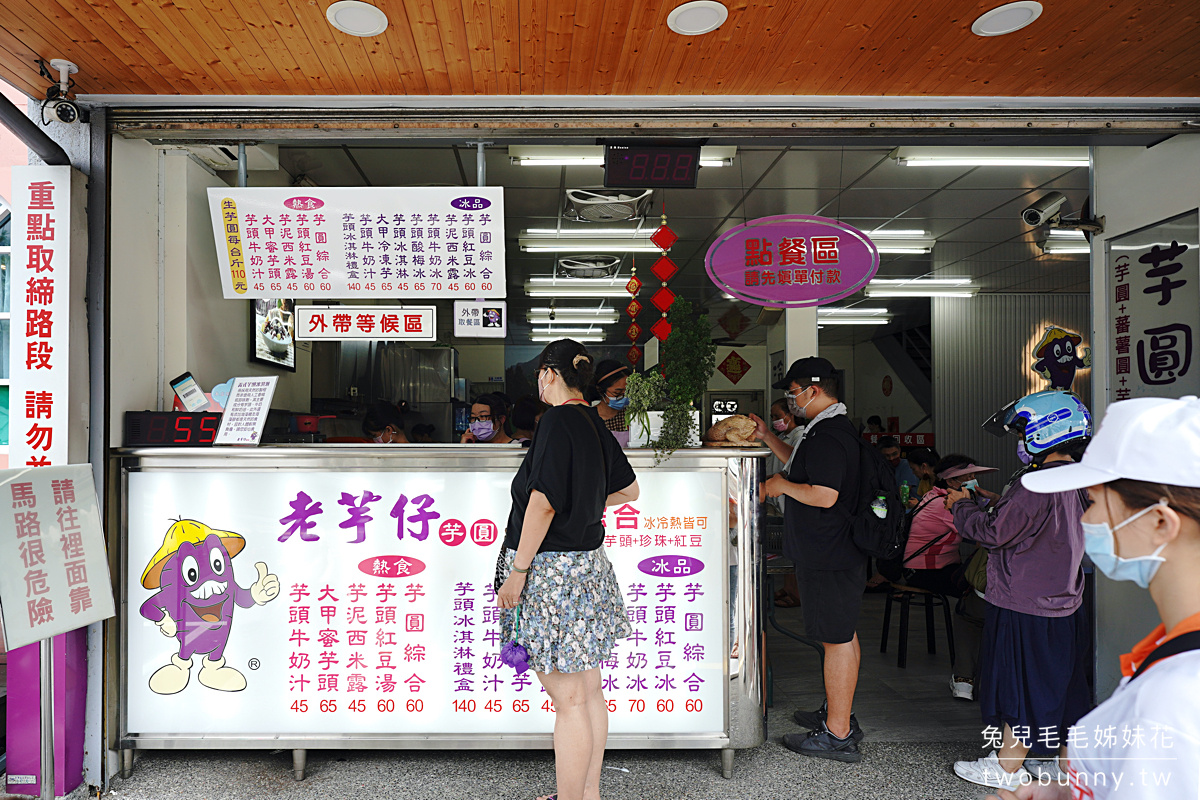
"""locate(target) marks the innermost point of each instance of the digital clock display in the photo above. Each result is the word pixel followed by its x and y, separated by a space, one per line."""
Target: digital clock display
pixel 171 428
pixel 648 166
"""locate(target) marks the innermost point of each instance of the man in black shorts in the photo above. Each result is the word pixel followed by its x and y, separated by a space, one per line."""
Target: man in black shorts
pixel 821 486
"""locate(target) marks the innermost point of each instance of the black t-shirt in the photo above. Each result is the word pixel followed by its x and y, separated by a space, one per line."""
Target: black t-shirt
pixel 565 463
pixel 819 538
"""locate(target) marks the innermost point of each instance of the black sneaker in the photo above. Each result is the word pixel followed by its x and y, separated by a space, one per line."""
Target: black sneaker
pixel 823 744
pixel 815 720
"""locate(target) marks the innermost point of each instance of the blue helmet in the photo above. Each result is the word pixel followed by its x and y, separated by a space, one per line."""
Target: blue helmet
pixel 1045 421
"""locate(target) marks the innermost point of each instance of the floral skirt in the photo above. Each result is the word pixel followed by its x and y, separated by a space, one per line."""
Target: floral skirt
pixel 572 612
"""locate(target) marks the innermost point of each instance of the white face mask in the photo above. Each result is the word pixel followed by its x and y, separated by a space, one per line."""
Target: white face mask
pixel 1100 543
pixel 797 409
pixel 542 387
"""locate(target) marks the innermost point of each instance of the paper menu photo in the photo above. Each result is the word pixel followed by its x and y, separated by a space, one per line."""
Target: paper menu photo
pixel 246 411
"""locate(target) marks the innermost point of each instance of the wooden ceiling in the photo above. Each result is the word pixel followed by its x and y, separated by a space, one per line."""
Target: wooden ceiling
pixel 1078 48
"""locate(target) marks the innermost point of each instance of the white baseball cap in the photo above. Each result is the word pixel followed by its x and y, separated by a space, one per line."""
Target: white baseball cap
pixel 1152 439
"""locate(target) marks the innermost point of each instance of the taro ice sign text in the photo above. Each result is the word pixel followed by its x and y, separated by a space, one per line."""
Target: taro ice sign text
pixel 792 261
pixel 1154 310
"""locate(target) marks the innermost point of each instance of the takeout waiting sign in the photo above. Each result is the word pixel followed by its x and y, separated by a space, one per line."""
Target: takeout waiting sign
pixel 792 261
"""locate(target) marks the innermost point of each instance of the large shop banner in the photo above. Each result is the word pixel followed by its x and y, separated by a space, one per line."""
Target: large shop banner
pixel 53 565
pixel 360 242
pixel 1154 309
pixel 313 603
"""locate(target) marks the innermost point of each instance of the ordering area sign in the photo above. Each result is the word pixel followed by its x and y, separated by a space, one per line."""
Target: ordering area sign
pixel 315 603
pixel 356 242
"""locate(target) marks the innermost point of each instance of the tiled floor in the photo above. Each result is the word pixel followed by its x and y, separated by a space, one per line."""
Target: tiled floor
pixel 892 704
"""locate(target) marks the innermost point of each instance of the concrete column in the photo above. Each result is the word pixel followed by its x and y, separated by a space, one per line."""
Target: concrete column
pixel 800 333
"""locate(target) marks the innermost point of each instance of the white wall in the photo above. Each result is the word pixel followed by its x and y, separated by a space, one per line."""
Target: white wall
pixel 479 362
pixel 202 333
pixel 754 377
pixel 1132 187
pixel 865 369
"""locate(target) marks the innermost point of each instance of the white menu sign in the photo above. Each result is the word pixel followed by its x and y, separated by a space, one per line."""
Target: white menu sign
pixel 246 411
pixel 348 242
pixel 480 319
pixel 377 323
pixel 384 618
pixel 53 567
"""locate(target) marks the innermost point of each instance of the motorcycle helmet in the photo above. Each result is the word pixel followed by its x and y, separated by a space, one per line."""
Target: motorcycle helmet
pixel 1046 422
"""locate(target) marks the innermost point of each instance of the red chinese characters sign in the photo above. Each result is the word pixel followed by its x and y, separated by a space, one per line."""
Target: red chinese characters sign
pixel 41 291
pixel 792 261
pixel 379 323
pixel 734 367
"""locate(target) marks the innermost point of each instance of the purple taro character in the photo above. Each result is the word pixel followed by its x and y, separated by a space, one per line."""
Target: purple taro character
pixel 193 572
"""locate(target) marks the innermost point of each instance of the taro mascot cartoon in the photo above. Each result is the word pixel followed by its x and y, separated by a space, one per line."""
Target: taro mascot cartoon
pixel 193 572
pixel 1058 357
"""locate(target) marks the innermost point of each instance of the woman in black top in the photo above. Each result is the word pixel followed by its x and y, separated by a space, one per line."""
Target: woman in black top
pixel 553 567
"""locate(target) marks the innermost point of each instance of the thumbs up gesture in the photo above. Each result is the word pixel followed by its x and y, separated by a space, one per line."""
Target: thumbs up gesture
pixel 266 588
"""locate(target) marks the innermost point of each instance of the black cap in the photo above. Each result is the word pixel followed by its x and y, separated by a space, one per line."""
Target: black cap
pixel 807 371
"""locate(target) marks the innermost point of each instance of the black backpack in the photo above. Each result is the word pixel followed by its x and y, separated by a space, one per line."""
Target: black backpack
pixel 882 537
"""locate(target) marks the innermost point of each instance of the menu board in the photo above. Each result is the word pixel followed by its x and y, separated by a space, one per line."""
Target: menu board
pixel 360 242
pixel 363 602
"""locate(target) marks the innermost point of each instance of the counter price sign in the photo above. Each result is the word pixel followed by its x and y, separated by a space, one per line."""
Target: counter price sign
pixel 171 428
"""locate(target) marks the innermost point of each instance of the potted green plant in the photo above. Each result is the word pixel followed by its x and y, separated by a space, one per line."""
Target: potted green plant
pixel 688 358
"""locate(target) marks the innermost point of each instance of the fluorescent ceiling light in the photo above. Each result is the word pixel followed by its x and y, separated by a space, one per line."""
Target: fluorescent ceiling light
pixel 1065 247
pixel 991 156
pixel 579 245
pixel 902 242
pixel 571 155
pixel 560 332
pixel 1067 233
pixel 898 234
pixel 548 337
pixel 854 320
pixel 588 233
pixel 598 316
pixel 852 311
pixel 921 287
pixel 575 287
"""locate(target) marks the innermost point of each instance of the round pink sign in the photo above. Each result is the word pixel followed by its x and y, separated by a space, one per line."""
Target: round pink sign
pixel 792 261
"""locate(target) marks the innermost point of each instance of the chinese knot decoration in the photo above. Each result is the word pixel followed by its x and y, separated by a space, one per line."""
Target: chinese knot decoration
pixel 633 309
pixel 664 269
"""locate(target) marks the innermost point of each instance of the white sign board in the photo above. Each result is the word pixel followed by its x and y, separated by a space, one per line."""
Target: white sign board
pixel 360 242
pixel 40 278
pixel 480 319
pixel 1154 310
pixel 53 567
pixel 246 411
pixel 376 323
pixel 385 618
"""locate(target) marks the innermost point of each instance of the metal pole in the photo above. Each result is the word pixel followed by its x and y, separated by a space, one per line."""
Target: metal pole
pixel 480 165
pixel 47 726
pixel 242 177
pixel 33 136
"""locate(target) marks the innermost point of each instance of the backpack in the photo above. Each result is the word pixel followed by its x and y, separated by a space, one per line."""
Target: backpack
pixel 879 524
pixel 894 569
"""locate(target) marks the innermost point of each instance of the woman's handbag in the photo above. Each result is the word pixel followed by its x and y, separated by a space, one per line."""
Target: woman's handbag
pixel 975 573
pixel 893 568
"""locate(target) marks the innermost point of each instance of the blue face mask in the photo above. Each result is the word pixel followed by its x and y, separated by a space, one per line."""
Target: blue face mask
pixel 971 485
pixel 616 403
pixel 1100 544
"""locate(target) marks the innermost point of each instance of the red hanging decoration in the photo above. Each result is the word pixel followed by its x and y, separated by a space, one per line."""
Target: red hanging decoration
pixel 633 309
pixel 633 286
pixel 663 298
pixel 664 237
pixel 634 354
pixel 633 332
pixel 664 269
pixel 661 328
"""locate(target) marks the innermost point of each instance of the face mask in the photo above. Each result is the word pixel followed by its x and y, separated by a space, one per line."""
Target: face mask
pixel 379 439
pixel 1100 543
pixel 483 430
pixel 1023 454
pixel 779 425
pixel 616 403
pixel 542 389
pixel 970 486
pixel 797 409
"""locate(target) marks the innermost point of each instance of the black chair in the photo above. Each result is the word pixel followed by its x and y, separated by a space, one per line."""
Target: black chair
pixel 905 595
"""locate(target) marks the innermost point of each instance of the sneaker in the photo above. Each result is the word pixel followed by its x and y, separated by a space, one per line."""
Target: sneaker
pixel 823 744
pixel 988 772
pixel 963 690
pixel 1047 770
pixel 815 720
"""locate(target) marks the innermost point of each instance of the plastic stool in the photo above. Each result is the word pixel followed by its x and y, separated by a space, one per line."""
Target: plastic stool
pixel 905 594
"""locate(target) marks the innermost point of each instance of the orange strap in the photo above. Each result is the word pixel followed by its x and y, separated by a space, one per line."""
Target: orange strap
pixel 1131 660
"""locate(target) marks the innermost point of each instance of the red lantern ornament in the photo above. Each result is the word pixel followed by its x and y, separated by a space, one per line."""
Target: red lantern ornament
pixel 633 332
pixel 664 237
pixel 664 269
pixel 634 354
pixel 661 328
pixel 663 298
pixel 634 285
pixel 633 309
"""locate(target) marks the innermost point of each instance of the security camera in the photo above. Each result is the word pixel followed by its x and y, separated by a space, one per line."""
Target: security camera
pixel 1044 210
pixel 65 111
